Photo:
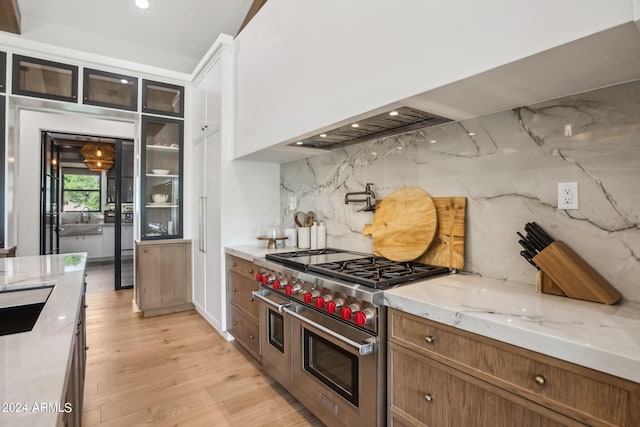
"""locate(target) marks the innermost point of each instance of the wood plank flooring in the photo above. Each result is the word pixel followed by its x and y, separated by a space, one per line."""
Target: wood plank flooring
pixel 174 370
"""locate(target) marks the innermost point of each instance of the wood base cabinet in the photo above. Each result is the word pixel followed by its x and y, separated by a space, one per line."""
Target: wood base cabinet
pixel 163 276
pixel 242 307
pixel 440 375
pixel 74 394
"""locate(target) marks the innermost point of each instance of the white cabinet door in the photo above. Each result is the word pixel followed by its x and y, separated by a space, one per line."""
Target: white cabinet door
pixel 199 265
pixel 90 244
pixel 126 234
pixel 213 109
pixel 199 119
pixel 108 241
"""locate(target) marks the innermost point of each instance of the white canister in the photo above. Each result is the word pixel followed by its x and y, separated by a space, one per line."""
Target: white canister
pixel 304 238
pixel 322 235
pixel 313 234
pixel 292 237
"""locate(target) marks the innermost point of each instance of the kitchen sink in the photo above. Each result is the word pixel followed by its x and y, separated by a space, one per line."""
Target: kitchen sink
pixel 79 229
pixel 20 308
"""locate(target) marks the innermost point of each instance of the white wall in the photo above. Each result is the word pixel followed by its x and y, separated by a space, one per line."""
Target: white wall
pixel 27 186
pixel 302 66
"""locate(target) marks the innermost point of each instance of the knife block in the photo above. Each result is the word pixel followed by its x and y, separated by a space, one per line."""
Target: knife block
pixel 563 272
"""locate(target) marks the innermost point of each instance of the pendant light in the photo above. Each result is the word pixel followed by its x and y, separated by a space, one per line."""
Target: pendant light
pixel 98 157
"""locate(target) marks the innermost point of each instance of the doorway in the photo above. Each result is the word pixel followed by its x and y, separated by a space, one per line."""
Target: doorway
pixel 87 204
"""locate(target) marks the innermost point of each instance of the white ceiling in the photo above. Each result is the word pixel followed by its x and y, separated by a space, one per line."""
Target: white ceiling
pixel 170 34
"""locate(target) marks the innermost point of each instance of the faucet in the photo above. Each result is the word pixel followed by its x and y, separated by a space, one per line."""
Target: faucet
pixel 82 211
pixel 367 192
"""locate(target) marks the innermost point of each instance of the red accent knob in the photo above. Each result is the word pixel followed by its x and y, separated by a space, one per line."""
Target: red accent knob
pixel 361 318
pixel 265 280
pixel 288 290
pixel 258 277
pixel 345 313
pixel 331 307
pixel 307 297
pixel 320 302
pixel 276 285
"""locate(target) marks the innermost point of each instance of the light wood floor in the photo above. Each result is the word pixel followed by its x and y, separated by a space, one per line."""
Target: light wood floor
pixel 174 370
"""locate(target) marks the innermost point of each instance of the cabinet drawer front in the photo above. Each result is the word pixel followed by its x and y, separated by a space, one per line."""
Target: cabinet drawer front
pixel 241 266
pixel 239 293
pixel 245 330
pixel 579 392
pixel 437 395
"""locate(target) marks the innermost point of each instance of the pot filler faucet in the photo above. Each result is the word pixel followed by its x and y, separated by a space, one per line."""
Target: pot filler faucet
pixel 367 192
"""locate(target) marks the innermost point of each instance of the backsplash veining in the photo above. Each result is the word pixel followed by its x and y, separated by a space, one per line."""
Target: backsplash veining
pixel 508 166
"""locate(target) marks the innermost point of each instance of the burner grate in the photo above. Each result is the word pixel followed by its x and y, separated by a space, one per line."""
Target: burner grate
pixel 376 271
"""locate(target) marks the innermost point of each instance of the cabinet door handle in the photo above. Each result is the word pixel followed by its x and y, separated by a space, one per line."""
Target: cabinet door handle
pixel 234 290
pixel 251 336
pixel 86 348
pixel 540 380
pixel 233 265
pixel 251 271
pixel 251 299
pixel 429 339
pixel 428 397
pixel 235 322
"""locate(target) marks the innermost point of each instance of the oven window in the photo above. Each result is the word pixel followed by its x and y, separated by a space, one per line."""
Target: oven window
pixel 276 330
pixel 334 366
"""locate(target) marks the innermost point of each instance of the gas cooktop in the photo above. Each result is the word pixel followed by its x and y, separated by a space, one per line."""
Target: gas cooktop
pixel 365 269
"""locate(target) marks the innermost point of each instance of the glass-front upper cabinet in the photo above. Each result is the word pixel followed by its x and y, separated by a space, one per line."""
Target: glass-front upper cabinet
pixel 44 79
pixel 162 98
pixel 162 181
pixel 110 90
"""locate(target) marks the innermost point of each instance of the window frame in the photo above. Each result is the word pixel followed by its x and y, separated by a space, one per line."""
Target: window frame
pixel 85 172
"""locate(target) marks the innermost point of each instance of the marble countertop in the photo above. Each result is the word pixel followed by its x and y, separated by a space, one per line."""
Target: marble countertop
pixel 34 365
pixel 598 336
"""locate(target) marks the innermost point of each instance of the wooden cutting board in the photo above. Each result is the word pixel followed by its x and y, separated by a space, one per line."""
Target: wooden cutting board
pixel 404 224
pixel 447 249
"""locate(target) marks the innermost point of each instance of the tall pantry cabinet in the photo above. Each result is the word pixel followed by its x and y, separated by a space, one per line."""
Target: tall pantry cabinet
pixel 210 129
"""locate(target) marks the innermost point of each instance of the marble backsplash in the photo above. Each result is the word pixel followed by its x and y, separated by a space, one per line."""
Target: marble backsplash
pixel 508 165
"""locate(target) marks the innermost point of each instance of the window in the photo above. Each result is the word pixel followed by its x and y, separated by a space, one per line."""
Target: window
pixel 81 190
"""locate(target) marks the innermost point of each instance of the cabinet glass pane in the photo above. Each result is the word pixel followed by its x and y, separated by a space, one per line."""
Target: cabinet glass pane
pixel 162 178
pixel 110 90
pixel 44 79
pixel 162 98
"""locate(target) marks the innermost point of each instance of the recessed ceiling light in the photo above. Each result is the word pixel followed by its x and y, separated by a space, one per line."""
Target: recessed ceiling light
pixel 399 148
pixel 124 81
pixel 142 4
pixel 374 153
pixel 355 125
pixel 470 133
pixel 393 113
pixel 323 135
pixel 433 141
pixel 299 143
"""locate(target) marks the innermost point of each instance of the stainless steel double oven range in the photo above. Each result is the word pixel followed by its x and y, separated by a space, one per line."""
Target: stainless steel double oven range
pixel 323 331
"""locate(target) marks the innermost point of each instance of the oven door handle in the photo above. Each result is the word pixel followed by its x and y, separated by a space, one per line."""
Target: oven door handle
pixel 362 349
pixel 263 298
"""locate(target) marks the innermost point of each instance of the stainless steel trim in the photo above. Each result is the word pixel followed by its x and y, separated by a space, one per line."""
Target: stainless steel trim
pixel 262 296
pixel 200 223
pixel 362 349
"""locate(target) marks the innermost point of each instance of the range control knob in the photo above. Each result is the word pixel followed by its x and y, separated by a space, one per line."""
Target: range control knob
pixel 258 277
pixel 333 305
pixel 363 317
pixel 347 312
pixel 276 285
pixel 319 302
pixel 309 296
pixel 292 289
pixel 265 279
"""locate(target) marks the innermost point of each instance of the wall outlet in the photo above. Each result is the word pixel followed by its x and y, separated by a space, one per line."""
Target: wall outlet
pixel 567 195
